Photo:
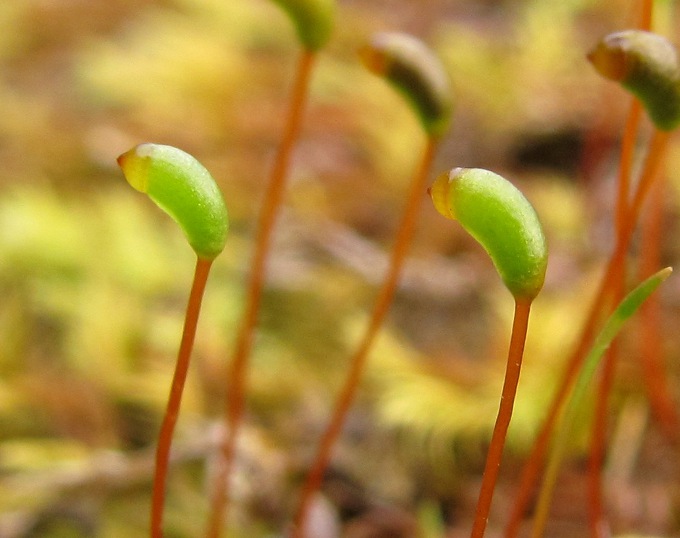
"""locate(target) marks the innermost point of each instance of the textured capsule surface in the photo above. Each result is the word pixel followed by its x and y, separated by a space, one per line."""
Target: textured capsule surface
pixel 647 65
pixel 183 188
pixel 417 73
pixel 313 20
pixel 502 220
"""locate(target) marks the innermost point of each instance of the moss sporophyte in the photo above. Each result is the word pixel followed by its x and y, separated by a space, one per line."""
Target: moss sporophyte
pixel 502 220
pixel 183 188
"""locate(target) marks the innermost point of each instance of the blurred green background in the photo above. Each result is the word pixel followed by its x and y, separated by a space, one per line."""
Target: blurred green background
pixel 94 278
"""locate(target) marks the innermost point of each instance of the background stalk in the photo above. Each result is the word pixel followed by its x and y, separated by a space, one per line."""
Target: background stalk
pixel 357 363
pixel 236 379
pixel 597 517
pixel 651 349
pixel 628 142
pixel 597 521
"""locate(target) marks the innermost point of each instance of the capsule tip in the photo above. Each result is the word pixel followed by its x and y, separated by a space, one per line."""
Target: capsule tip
pixel 609 59
pixel 134 164
pixel 440 193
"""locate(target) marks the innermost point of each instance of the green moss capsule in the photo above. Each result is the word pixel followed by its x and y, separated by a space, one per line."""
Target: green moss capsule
pixel 313 19
pixel 184 189
pixel 502 220
pixel 647 65
pixel 417 73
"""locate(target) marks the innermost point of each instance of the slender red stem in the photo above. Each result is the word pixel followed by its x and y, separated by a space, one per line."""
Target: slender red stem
pixel 650 173
pixel 626 163
pixel 646 11
pixel 598 523
pixel 651 350
pixel 236 380
pixel 495 454
pixel 175 399
pixel 358 361
pixel 599 526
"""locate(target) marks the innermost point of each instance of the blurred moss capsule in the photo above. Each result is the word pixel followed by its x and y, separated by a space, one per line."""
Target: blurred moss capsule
pixel 313 19
pixel 417 73
pixel 647 65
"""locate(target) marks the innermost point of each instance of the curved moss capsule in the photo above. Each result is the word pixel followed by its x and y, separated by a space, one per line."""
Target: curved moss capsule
pixel 184 189
pixel 501 219
pixel 647 65
pixel 417 73
pixel 313 19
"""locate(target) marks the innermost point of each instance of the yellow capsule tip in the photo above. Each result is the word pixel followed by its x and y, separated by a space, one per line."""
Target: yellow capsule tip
pixel 135 166
pixel 609 61
pixel 440 193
